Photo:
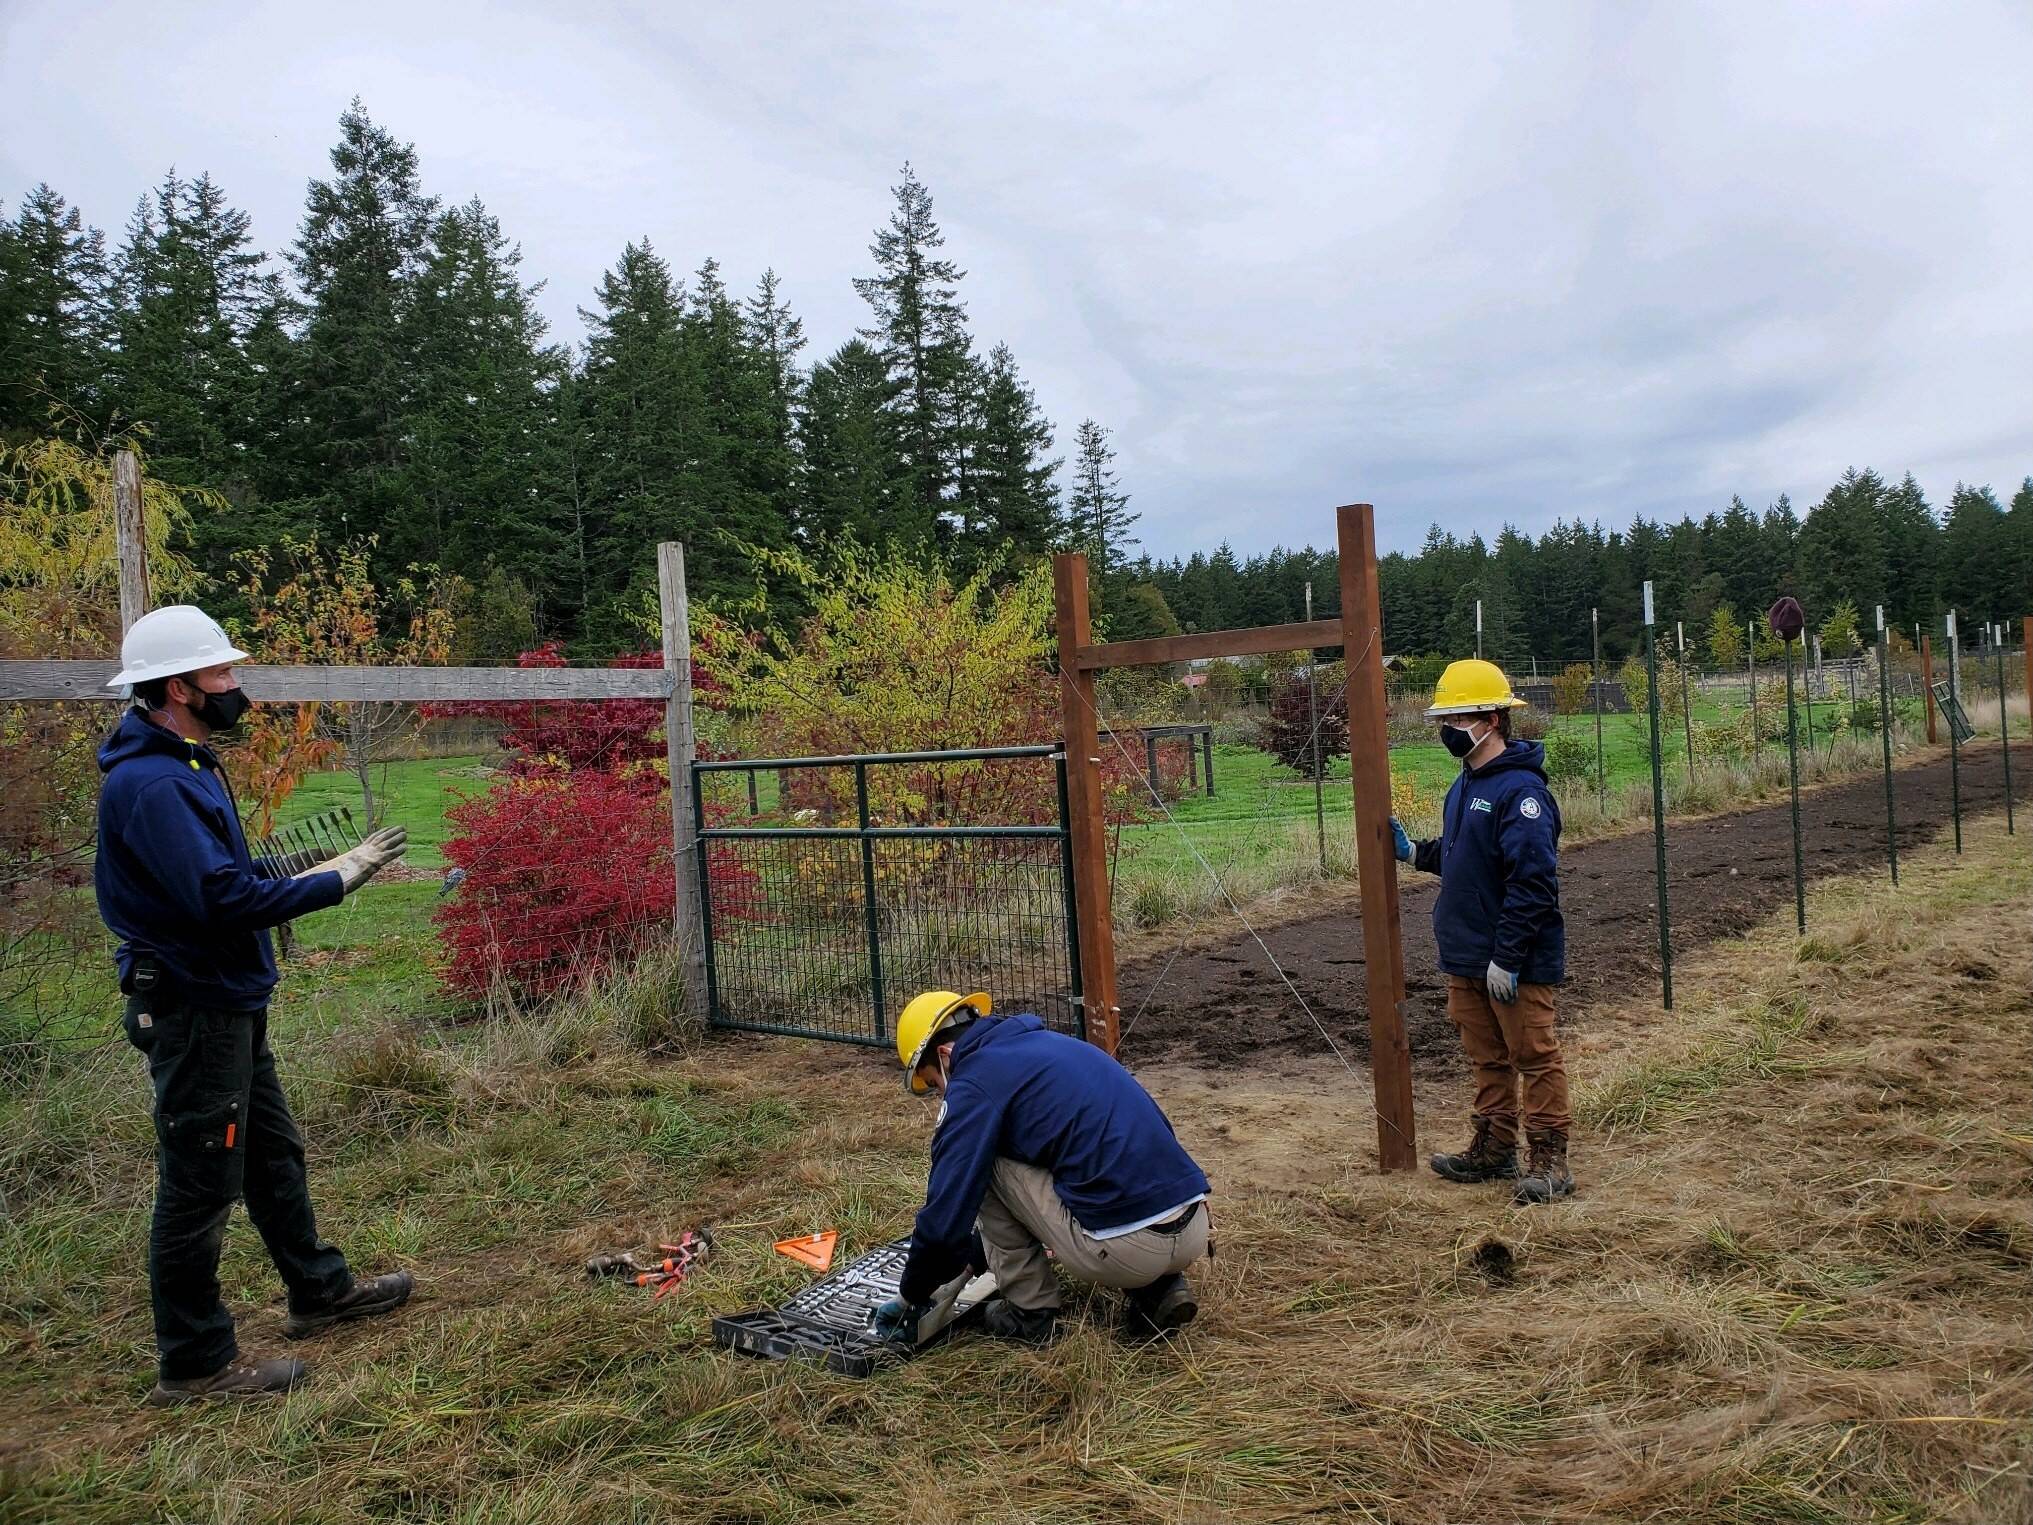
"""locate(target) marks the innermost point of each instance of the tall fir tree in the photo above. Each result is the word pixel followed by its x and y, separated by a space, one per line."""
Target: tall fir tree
pixel 1015 479
pixel 1098 509
pixel 481 462
pixel 639 398
pixel 1912 540
pixel 358 257
pixel 192 288
pixel 1841 550
pixel 56 316
pixel 856 480
pixel 776 336
pixel 920 330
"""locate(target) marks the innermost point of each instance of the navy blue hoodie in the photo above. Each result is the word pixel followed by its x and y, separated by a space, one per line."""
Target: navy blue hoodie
pixel 1498 861
pixel 173 873
pixel 1020 1091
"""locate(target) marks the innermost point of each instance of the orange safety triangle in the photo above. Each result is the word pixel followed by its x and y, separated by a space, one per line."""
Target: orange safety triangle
pixel 814 1250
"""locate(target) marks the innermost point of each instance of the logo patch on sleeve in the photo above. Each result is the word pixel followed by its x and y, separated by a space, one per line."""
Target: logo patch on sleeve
pixel 1528 807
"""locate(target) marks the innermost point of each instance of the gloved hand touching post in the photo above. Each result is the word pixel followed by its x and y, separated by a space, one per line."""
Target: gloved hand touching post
pixel 359 864
pixel 1502 984
pixel 1401 844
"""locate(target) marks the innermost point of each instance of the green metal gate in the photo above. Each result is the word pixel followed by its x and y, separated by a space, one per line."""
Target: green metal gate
pixel 823 922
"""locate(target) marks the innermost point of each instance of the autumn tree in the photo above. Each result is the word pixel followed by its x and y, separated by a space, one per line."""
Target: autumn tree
pixel 315 605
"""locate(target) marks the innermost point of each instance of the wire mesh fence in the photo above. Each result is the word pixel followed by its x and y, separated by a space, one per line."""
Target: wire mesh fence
pixel 825 930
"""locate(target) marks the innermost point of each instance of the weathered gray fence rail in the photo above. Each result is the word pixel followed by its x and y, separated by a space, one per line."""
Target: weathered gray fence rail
pixel 305 685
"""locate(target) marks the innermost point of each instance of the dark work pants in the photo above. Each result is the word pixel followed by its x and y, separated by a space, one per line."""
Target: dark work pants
pixel 223 1131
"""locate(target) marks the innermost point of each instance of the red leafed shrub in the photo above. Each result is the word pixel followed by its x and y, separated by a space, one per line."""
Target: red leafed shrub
pixel 567 877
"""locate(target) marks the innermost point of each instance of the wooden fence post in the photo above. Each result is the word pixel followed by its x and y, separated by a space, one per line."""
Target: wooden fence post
pixel 1927 683
pixel 680 749
pixel 1362 650
pixel 2028 654
pixel 130 535
pixel 1078 725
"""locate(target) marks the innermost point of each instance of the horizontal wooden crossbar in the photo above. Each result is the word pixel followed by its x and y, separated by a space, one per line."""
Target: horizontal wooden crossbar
pixel 1259 641
pixel 302 685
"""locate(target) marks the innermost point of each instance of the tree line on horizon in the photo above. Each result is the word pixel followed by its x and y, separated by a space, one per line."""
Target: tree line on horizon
pixel 393 380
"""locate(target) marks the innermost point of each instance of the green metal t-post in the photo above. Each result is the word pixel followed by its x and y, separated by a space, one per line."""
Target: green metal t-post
pixel 2004 725
pixel 1793 771
pixel 1601 775
pixel 1751 667
pixel 1954 745
pixel 1686 705
pixel 1658 809
pixel 1885 730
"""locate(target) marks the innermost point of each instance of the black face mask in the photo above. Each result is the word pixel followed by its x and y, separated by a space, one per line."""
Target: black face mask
pixel 1458 742
pixel 223 711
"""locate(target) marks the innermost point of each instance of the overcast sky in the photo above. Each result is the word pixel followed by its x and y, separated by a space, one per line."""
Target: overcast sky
pixel 1473 263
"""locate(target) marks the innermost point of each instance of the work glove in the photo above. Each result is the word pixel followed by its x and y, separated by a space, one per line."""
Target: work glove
pixel 895 1320
pixel 1502 984
pixel 1400 843
pixel 359 864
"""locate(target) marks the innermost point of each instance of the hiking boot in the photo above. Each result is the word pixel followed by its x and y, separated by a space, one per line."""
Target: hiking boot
pixel 378 1294
pixel 241 1377
pixel 1546 1174
pixel 1167 1304
pixel 1483 1160
pixel 1027 1326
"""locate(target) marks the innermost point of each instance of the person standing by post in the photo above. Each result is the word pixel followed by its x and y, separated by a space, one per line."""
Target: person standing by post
pixel 191 909
pixel 1503 945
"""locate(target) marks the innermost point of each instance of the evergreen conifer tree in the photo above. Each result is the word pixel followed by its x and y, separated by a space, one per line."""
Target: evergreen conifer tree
pixel 1098 509
pixel 856 481
pixel 1015 486
pixel 357 259
pixel 55 315
pixel 920 330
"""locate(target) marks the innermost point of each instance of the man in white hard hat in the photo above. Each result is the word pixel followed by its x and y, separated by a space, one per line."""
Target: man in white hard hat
pixel 192 910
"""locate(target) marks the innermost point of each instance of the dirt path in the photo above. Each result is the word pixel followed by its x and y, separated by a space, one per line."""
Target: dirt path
pixel 1221 1001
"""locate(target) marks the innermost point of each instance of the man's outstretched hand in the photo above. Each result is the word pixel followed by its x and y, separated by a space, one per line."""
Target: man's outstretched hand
pixel 357 865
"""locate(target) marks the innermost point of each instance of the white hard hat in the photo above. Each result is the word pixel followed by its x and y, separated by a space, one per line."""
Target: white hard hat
pixel 171 641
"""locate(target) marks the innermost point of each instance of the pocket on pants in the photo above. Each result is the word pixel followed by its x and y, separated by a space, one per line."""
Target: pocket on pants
pixel 201 1091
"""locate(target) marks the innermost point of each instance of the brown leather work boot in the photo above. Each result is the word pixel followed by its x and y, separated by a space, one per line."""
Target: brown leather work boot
pixel 241 1377
pixel 1546 1174
pixel 1483 1160
pixel 378 1294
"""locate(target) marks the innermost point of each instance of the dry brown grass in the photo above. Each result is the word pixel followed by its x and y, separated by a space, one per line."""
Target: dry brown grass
pixel 1794 1287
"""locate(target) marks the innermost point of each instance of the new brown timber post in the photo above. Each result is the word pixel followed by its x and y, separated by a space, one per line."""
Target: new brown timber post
pixel 2028 654
pixel 1077 724
pixel 1376 866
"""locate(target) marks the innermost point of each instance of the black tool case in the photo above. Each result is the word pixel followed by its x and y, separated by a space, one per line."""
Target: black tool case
pixel 829 1320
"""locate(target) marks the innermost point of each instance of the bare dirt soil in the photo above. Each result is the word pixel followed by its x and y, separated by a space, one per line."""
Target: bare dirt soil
pixel 1216 1003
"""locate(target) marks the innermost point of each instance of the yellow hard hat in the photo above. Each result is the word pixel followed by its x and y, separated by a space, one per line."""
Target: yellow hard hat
pixel 1470 686
pixel 923 1020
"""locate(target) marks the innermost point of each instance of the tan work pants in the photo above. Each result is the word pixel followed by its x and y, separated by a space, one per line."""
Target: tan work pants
pixel 1506 1045
pixel 1022 1215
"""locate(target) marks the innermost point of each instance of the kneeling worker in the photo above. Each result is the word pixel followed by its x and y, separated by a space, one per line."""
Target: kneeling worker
pixel 1503 945
pixel 1045 1142
pixel 192 911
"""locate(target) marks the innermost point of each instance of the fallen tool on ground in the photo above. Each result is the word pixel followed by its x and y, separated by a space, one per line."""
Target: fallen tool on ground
pixel 676 1263
pixel 833 1319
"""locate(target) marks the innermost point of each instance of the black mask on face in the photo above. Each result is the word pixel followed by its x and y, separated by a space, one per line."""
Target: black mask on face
pixel 1457 741
pixel 223 711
